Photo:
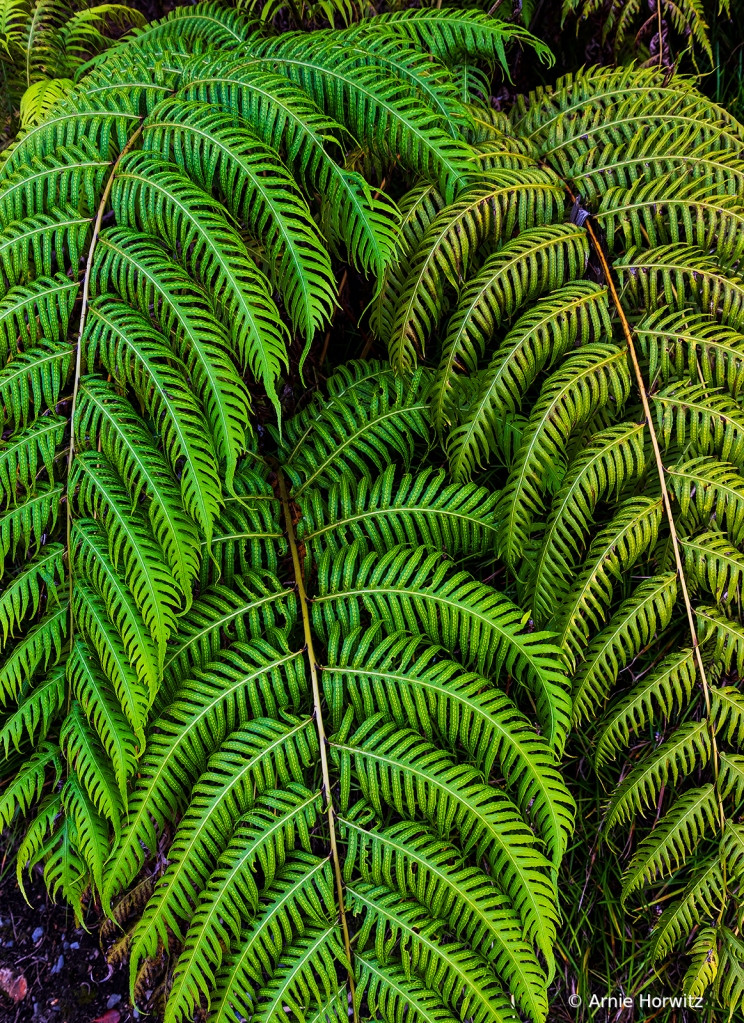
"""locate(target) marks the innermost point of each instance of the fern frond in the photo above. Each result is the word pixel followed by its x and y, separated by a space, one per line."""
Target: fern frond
pixel 23 527
pixel 92 768
pixel 104 713
pixel 682 212
pixel 712 422
pixel 258 191
pixel 676 275
pixel 415 862
pixel 104 417
pixel 675 837
pixel 540 337
pixel 729 636
pixel 571 396
pixel 466 980
pixel 91 560
pixel 284 117
pixel 32 380
pixel 410 683
pixel 521 199
pixel 613 551
pixel 301 894
pixel 452 35
pixel 34 310
pixel 459 520
pixel 37 709
pixel 258 847
pixel 650 698
pixel 631 629
pixel 134 353
pixel 412 775
pixel 255 604
pixel 703 969
pixel 412 588
pixel 705 488
pixel 44 241
pixel 149 193
pixel 354 429
pixel 22 595
pixel 25 789
pixel 537 260
pixel 675 758
pixel 91 832
pixel 92 618
pixel 612 458
pixel 701 898
pixel 22 453
pixel 713 563
pixel 255 682
pixel 149 281
pixel 263 755
pixel 41 645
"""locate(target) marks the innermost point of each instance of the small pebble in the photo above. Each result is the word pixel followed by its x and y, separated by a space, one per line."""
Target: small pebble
pixel 9 944
pixel 113 1000
pixel 135 1012
pixel 37 935
pixel 74 944
pixel 58 965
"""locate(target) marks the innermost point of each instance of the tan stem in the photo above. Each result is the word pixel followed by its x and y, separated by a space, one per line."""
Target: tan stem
pixel 319 725
pixel 665 496
pixel 78 360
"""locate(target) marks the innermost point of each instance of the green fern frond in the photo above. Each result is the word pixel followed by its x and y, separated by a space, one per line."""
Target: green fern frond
pixel 521 199
pixel 675 758
pixel 411 774
pixel 571 396
pixel 354 429
pixel 648 700
pixel 612 458
pixel 712 422
pixel 103 710
pixel 409 682
pixel 703 488
pixel 22 595
pixel 25 789
pixel 44 241
pixel 613 551
pixel 466 979
pixel 101 494
pixel 301 894
pixel 258 848
pixel 436 877
pixel 675 837
pixel 104 417
pixel 537 260
pixel 90 830
pixel 459 520
pixel 34 310
pixel 729 637
pixel 91 560
pixel 687 344
pixel 703 969
pixel 713 563
pixel 413 588
pixel 538 339
pixel 24 455
pixel 23 527
pixel 631 629
pixel 264 755
pixel 37 709
pixel 701 898
pixel 256 681
pixel 86 758
pixel 41 646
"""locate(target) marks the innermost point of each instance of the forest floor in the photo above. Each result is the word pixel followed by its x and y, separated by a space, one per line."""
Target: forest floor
pixel 50 970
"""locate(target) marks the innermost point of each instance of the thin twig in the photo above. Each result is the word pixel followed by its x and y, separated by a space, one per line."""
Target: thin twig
pixel 319 725
pixel 665 497
pixel 78 358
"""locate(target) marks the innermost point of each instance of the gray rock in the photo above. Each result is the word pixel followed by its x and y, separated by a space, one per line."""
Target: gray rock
pixel 37 935
pixel 113 1000
pixel 58 965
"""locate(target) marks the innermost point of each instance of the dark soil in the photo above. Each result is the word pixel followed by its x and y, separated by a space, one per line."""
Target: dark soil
pixel 66 977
